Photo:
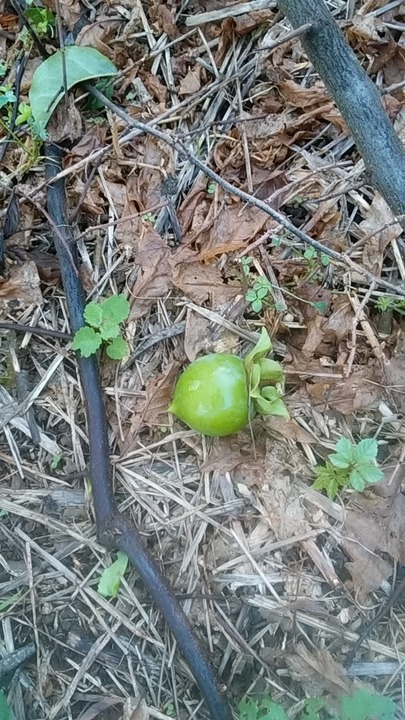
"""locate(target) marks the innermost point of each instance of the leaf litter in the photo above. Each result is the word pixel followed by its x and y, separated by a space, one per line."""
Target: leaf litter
pixel 254 549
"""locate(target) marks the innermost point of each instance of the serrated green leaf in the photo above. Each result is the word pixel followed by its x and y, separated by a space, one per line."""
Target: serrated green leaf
pixel 93 315
pixel 115 309
pixel 109 331
pixel 5 712
pixel 370 473
pixel 339 461
pixel 366 450
pixel 357 480
pixel 117 349
pixel 47 87
pixel 110 579
pixel 364 705
pixel 87 341
pixel 270 370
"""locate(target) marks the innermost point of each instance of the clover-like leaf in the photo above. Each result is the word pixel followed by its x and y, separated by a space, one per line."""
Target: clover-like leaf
pixel 366 450
pixel 93 314
pixel 115 309
pixel 117 348
pixel 87 341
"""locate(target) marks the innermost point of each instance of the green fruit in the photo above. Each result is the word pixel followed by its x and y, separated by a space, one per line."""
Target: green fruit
pixel 211 395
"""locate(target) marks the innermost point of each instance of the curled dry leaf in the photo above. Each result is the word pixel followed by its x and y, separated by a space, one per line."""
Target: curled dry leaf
pixel 154 281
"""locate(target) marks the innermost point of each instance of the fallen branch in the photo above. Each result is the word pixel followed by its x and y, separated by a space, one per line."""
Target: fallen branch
pixel 356 96
pixel 113 530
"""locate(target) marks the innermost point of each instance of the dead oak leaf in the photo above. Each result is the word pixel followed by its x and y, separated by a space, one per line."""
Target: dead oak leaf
pixel 158 393
pixel 203 283
pixel 153 282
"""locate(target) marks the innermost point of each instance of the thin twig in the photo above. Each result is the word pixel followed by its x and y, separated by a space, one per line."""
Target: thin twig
pixel 249 199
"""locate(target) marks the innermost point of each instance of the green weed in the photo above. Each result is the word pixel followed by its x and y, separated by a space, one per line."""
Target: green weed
pixel 352 465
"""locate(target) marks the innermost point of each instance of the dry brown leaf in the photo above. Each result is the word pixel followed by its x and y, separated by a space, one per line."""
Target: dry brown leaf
pixel 288 429
pixel 237 453
pixel 166 21
pixel 280 495
pixel 154 281
pixel 98 35
pixel 203 283
pixel 23 285
pixel 192 82
pixel 156 157
pixel 158 394
pixel 361 390
pixel 195 335
pixel 378 216
pixel 318 672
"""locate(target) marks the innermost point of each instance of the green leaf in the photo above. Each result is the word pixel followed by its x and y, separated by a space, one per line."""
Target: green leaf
pixel 5 712
pixel 115 309
pixel 262 292
pixel 357 480
pixel 343 458
pixel 109 331
pixel 47 88
pixel 366 450
pixel 321 306
pixel 262 347
pixel 271 370
pixel 254 390
pixel 263 709
pixel 87 341
pixel 271 407
pixel 93 314
pixel 368 472
pixel 117 349
pixel 110 579
pixel 330 479
pixel 364 705
pixel 257 305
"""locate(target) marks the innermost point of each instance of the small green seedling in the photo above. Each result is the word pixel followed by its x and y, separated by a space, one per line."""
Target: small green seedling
pixel 110 579
pixel 390 302
pixel 258 294
pixel 211 188
pixel 351 466
pixel 103 324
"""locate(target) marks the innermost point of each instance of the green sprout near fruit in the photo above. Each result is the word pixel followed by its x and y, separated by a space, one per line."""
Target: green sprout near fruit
pixel 352 465
pixel 103 326
pixel 219 394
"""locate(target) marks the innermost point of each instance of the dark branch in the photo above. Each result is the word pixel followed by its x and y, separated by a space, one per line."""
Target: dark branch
pixel 113 529
pixel 356 96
